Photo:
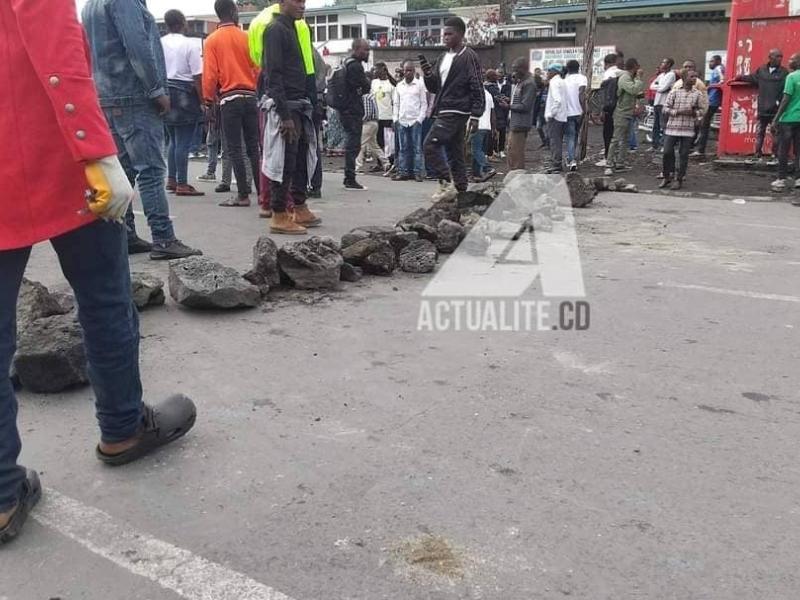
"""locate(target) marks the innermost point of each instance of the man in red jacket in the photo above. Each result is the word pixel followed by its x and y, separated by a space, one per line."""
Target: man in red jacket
pixel 63 182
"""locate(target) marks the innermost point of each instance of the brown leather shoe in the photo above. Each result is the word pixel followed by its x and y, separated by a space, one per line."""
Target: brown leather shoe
pixel 304 217
pixel 184 189
pixel 282 223
pixel 172 185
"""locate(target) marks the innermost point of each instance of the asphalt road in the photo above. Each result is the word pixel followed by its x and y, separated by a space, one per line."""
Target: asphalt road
pixel 340 454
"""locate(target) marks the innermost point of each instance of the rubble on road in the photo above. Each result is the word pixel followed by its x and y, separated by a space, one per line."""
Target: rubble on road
pixel 350 273
pixel 36 302
pixel 265 273
pixel 449 235
pixel 147 290
pixel 374 256
pixel 311 264
pixel 50 355
pixel 199 282
pixel 581 191
pixel 419 257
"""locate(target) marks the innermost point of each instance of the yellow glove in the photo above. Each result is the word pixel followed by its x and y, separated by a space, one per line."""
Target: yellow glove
pixel 110 192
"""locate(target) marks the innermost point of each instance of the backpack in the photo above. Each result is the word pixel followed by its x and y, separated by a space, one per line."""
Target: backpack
pixel 609 92
pixel 337 94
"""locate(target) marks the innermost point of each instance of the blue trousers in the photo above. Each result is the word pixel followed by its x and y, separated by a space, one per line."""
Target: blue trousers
pixel 139 134
pixel 94 259
pixel 410 139
pixel 572 133
pixel 181 139
pixel 479 162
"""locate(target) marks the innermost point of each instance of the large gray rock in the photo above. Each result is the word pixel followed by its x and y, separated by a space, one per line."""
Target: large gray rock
pixel 312 264
pixel 449 235
pixel 199 282
pixel 265 273
pixel 350 273
pixel 147 290
pixel 402 239
pixel 375 257
pixel 375 232
pixel 581 193
pixel 36 302
pixel 419 257
pixel 50 355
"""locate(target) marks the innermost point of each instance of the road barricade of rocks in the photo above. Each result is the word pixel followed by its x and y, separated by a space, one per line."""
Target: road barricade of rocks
pixel 51 356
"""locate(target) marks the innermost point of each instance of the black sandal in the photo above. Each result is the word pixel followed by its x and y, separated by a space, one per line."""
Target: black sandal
pixel 30 496
pixel 163 424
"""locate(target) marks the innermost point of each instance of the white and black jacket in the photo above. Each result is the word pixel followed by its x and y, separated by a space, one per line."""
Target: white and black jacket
pixel 462 92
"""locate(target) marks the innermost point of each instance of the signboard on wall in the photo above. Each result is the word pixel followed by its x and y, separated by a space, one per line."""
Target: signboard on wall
pixel 542 58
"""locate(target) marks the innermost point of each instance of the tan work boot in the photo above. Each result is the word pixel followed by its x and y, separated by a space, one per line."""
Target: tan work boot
pixel 304 217
pixel 282 223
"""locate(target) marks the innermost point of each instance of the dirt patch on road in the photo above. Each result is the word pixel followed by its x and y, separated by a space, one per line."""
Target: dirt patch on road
pixel 433 554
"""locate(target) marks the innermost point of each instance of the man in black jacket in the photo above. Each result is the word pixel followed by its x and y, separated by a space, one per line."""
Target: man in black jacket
pixel 456 80
pixel 294 94
pixel 352 116
pixel 770 79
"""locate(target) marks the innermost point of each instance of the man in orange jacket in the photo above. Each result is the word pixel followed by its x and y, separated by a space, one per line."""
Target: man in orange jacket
pixel 77 200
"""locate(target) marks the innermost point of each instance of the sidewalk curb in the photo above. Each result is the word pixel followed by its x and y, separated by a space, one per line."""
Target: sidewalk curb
pixel 786 198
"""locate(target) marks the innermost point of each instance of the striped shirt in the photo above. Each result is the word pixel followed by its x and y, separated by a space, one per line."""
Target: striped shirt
pixel 682 125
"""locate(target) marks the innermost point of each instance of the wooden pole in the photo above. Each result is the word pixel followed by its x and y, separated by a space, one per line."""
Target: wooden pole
pixel 588 66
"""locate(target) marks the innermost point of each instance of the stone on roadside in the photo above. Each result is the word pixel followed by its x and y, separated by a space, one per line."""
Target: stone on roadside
pixel 419 257
pixel 377 232
pixel 350 273
pixel 449 235
pixel 36 302
pixel 312 264
pixel 199 282
pixel 581 193
pixel 375 257
pixel 50 355
pixel 147 290
pixel 631 188
pixel 541 222
pixel 265 273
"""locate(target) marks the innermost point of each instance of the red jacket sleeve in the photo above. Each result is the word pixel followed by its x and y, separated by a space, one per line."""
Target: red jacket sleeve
pixel 55 44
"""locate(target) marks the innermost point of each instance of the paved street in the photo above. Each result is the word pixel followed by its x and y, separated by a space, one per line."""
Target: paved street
pixel 340 454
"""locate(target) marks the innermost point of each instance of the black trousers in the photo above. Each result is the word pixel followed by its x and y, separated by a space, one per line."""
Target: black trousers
pixel 608 130
pixel 316 178
pixel 683 146
pixel 448 132
pixel 705 129
pixel 295 170
pixel 789 135
pixel 352 125
pixel 240 116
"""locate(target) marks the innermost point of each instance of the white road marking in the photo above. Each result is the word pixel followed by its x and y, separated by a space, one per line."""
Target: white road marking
pixel 742 293
pixel 191 577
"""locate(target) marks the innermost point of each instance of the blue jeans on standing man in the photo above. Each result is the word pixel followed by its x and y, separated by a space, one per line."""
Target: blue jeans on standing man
pixel 479 162
pixel 410 139
pixel 94 259
pixel 181 138
pixel 138 131
pixel 572 132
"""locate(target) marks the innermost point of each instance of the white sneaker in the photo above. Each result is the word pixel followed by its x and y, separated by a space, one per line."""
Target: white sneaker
pixel 601 163
pixel 779 185
pixel 797 183
pixel 608 172
pixel 573 166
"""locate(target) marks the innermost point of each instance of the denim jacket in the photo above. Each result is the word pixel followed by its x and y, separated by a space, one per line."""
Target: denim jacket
pixel 127 57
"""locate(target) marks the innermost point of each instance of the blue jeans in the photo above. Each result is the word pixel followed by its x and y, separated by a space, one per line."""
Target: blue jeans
pixel 572 133
pixel 139 134
pixel 410 139
pixel 479 162
pixel 181 138
pixel 94 259
pixel 633 141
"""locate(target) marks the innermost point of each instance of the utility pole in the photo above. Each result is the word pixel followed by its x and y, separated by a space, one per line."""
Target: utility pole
pixel 588 67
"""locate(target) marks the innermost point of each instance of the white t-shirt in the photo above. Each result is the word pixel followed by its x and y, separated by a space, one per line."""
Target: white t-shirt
pixel 444 67
pixel 383 90
pixel 572 84
pixel 485 122
pixel 183 56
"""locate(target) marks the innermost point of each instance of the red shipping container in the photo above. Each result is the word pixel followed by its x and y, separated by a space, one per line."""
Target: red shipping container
pixel 756 27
